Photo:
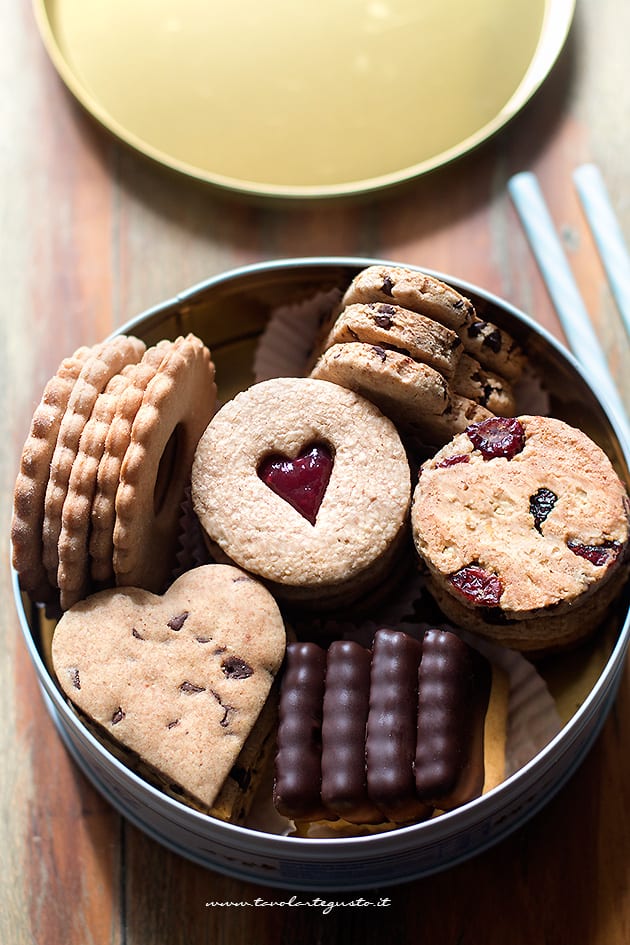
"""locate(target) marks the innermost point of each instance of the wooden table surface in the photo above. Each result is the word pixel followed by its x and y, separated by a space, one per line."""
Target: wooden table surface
pixel 93 234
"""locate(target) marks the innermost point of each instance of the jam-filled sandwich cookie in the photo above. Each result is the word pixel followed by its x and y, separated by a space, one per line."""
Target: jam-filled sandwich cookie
pixel 182 681
pixel 523 527
pixel 307 485
pixel 387 735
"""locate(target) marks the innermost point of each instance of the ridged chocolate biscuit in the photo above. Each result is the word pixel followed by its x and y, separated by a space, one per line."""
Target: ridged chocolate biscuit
pixel 390 742
pixel 454 683
pixel 344 789
pixel 387 735
pixel 297 785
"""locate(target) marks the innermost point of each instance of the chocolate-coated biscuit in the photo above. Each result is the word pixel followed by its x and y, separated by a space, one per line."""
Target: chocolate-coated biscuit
pixel 297 784
pixel 344 789
pixel 454 684
pixel 390 741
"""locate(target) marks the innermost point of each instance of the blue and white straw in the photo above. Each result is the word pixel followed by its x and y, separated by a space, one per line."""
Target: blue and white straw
pixel 565 295
pixel 607 234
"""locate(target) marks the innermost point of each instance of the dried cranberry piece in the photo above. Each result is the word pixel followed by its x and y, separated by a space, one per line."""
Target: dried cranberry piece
pixel 541 504
pixel 599 555
pixel 302 481
pixel 478 585
pixel 497 436
pixel 453 460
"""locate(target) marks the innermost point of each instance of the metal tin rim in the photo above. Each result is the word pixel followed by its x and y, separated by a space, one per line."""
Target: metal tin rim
pixel 558 17
pixel 321 850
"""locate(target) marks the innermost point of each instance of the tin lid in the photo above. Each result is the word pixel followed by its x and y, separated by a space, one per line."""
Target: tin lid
pixel 303 99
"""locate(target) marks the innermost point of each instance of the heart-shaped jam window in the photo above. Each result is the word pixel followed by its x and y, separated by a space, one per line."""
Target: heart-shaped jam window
pixel 302 482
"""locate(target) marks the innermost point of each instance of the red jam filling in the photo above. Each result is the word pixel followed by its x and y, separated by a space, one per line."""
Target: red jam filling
pixel 497 436
pixel 302 482
pixel 477 585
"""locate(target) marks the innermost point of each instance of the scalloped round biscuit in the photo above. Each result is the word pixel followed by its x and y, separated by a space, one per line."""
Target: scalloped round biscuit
pixel 176 408
pixel 108 359
pixel 32 479
pixel 103 511
pixel 73 573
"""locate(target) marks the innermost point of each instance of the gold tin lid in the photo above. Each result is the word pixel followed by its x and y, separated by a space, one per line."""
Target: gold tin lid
pixel 295 99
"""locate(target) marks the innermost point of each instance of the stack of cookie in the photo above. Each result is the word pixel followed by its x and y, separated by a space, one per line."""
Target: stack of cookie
pixel 306 485
pixel 523 526
pixel 416 348
pixel 104 467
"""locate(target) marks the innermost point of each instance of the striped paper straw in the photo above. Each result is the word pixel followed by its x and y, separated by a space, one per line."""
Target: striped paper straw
pixel 552 262
pixel 607 234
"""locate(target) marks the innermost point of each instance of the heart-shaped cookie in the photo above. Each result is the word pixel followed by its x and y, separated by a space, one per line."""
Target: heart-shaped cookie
pixel 178 679
pixel 301 481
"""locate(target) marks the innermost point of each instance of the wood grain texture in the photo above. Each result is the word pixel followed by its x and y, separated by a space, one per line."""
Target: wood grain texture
pixel 91 235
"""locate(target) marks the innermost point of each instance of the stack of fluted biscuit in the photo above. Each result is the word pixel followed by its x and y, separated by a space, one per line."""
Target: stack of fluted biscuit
pixel 416 348
pixel 104 467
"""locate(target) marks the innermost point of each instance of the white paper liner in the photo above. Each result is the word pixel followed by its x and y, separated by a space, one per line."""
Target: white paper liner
pixel 286 343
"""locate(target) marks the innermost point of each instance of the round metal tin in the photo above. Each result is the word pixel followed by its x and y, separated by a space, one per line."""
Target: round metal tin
pixel 229 311
pixel 292 100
